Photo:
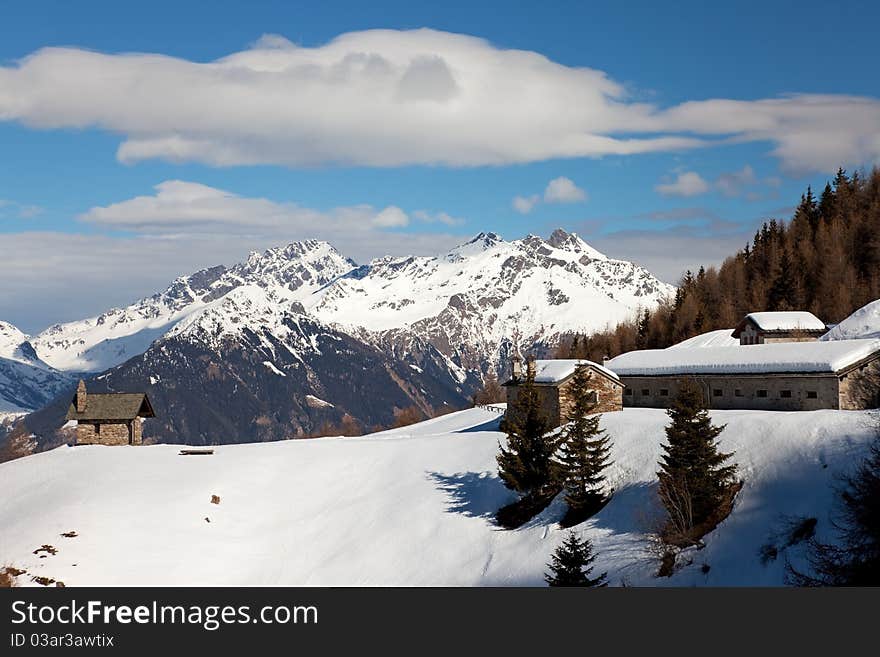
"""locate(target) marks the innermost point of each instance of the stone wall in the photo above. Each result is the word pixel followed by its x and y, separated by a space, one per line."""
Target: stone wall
pixel 556 401
pixel 105 433
pixel 609 395
pixel 788 337
pixel 549 396
pixel 860 387
pixel 770 392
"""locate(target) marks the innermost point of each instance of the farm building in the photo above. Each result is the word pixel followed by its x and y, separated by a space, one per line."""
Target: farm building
pixel 792 376
pixel 553 379
pixel 788 326
pixel 108 418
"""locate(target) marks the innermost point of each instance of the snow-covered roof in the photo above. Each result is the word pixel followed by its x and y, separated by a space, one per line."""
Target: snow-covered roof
pixel 752 359
pixel 554 371
pixel 863 323
pixel 789 320
pixel 719 338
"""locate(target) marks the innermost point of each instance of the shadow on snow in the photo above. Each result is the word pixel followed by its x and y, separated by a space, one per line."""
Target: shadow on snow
pixel 473 494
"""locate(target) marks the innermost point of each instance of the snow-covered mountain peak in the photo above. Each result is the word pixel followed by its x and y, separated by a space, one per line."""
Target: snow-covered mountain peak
pixel 308 263
pixel 560 239
pixel 293 272
pixel 479 244
pixel 466 304
pixel 11 339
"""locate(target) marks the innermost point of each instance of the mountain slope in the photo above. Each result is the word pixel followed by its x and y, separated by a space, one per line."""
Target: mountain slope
pixel 466 303
pixel 489 293
pixel 250 366
pixel 26 382
pixel 411 506
pixel 230 354
pixel 97 343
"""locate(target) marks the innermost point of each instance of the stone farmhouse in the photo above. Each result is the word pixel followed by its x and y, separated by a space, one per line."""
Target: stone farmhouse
pixel 553 379
pixel 793 376
pixel 108 418
pixel 769 327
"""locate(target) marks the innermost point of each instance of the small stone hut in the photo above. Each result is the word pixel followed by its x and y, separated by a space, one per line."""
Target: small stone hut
pixel 108 418
pixel 783 326
pixel 553 379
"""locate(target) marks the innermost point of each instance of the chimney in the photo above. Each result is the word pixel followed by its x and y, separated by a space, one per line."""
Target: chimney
pixel 516 367
pixel 530 367
pixel 81 396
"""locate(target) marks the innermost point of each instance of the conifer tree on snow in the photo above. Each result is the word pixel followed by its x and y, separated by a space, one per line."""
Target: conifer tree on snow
pixel 571 564
pixel 584 448
pixel 693 476
pixel 855 560
pixel 525 465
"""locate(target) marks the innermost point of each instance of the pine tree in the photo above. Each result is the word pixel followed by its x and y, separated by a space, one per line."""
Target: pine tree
pixel 644 325
pixel 693 479
pixel 585 448
pixel 855 560
pixel 525 465
pixel 782 292
pixel 571 564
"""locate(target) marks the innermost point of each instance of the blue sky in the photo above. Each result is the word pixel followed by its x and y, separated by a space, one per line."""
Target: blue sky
pixel 692 123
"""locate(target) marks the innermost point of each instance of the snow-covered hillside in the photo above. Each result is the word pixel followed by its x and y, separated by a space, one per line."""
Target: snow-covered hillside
pixel 412 506
pixel 719 338
pixel 863 323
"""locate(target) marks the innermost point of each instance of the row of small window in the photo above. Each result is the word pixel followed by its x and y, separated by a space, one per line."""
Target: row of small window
pixel 717 392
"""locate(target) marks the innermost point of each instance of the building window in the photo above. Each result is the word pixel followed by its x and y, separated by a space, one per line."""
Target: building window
pixel 646 392
pixel 593 397
pixel 812 394
pixel 785 394
pixel 717 392
pixel 664 392
pixel 762 393
pixel 628 392
pixel 97 429
pixel 738 392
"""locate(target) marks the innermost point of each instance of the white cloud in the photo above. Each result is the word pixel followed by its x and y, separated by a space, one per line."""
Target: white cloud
pixel 184 208
pixel 563 190
pixel 732 184
pixel 689 183
pixel 392 98
pixel 437 217
pixel 525 204
pixel 741 183
pixel 391 217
